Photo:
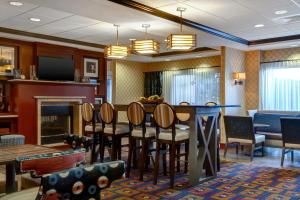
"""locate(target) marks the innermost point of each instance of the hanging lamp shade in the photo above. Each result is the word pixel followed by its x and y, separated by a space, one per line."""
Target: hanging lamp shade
pixel 146 46
pixel 181 41
pixel 116 51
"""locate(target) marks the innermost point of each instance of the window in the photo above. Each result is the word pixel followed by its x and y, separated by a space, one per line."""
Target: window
pixel 280 86
pixel 196 86
pixel 109 88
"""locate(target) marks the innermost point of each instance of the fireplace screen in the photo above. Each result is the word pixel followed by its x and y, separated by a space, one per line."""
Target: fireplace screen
pixel 55 122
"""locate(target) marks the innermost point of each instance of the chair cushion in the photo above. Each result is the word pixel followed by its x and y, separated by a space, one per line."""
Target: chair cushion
pixel 167 135
pixel 182 126
pixel 120 129
pixel 270 135
pixel 137 132
pixel 28 194
pixel 294 146
pixel 11 140
pixel 258 139
pixel 89 128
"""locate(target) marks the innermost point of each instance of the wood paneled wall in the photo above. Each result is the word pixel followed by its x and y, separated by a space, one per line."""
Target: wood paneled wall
pixel 28 52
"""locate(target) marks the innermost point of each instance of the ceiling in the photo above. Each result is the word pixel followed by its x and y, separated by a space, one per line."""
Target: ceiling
pixel 92 20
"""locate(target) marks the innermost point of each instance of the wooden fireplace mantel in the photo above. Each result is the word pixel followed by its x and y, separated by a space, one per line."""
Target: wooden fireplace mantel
pixel 26 93
pixel 39 82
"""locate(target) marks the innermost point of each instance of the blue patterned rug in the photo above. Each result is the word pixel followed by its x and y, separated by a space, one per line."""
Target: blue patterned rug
pixel 235 181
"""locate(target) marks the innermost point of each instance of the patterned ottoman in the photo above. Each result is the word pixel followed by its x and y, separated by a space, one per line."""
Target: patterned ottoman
pixel 11 140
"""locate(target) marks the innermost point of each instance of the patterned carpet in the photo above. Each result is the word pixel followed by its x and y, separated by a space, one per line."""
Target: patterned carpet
pixel 235 181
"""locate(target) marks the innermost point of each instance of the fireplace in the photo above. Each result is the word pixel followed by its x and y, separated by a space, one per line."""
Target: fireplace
pixel 58 116
pixel 56 120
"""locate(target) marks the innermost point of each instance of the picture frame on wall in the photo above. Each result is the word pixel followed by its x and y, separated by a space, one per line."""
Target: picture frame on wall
pixel 7 60
pixel 91 67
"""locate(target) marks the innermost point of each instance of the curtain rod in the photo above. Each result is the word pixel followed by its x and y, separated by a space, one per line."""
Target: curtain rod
pixel 280 61
pixel 183 69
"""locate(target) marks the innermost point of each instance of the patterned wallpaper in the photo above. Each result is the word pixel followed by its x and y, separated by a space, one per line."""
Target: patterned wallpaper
pixel 252 79
pixel 129 83
pixel 281 54
pixel 184 64
pixel 233 61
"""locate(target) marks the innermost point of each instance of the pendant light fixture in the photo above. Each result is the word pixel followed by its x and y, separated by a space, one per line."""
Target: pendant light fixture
pixel 116 51
pixel 146 46
pixel 181 41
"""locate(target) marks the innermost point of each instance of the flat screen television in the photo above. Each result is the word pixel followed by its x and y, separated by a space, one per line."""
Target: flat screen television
pixel 52 68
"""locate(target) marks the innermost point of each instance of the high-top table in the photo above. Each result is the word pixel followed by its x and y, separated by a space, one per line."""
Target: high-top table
pixel 203 139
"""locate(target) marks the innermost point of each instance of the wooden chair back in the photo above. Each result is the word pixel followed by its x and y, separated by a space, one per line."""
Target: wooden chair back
pixel 164 116
pixel 87 111
pixel 183 117
pixel 290 130
pixel 239 127
pixel 136 114
pixel 107 113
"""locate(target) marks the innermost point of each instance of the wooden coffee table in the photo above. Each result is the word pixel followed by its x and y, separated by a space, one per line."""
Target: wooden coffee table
pixel 8 156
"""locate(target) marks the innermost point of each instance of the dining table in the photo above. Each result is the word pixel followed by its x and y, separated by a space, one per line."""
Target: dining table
pixel 9 155
pixel 203 145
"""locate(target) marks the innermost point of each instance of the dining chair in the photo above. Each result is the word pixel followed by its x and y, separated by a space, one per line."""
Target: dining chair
pixel 166 133
pixel 290 136
pixel 111 129
pixel 139 132
pixel 240 131
pixel 183 118
pixel 91 127
pixel 78 183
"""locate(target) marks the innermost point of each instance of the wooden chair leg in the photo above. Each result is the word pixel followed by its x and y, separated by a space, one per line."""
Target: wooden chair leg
pixel 119 147
pixel 282 156
pixel 172 164
pixel 129 161
pixel 262 149
pixel 186 157
pixel 156 166
pixel 164 147
pixel 237 149
pixel 134 157
pixel 142 160
pixel 225 150
pixel 252 152
pixel 102 148
pixel 114 148
pixel 93 152
pixel 178 157
pixel 147 157
pixel 292 155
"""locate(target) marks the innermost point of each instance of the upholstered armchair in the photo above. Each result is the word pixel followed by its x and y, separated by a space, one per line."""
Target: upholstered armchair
pixel 79 183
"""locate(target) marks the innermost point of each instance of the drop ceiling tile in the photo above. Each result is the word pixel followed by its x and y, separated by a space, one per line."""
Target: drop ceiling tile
pixel 18 24
pixel 159 3
pixel 49 13
pixel 226 9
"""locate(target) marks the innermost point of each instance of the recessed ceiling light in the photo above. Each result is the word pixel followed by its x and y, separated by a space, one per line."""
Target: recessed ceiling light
pixel 167 59
pixel 33 19
pixel 132 39
pixel 294 45
pixel 16 3
pixel 280 12
pixel 259 25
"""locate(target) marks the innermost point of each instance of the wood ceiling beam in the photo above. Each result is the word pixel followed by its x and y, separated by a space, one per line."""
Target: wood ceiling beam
pixel 49 37
pixel 158 13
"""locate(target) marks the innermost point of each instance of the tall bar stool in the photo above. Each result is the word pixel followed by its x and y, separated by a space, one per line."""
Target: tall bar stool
pixel 91 127
pixel 111 129
pixel 166 133
pixel 138 132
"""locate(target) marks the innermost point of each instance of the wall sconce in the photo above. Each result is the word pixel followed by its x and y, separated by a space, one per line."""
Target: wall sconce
pixel 238 78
